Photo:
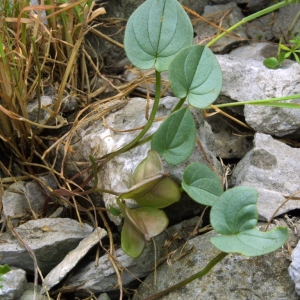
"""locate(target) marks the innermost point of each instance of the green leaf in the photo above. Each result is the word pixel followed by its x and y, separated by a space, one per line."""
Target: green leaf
pixel 132 241
pixel 235 211
pixel 271 62
pixel 252 242
pixel 234 216
pixel 176 136
pixel 4 269
pixel 115 212
pixel 155 32
pixel 202 184
pixel 195 73
pixel 140 225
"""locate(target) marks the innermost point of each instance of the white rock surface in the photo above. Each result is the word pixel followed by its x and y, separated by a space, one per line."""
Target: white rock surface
pixel 246 78
pixel 13 284
pixel 72 258
pixel 273 168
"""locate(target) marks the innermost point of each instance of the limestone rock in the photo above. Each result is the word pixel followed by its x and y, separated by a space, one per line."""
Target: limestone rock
pixel 230 15
pixel 72 258
pixel 235 277
pixel 273 168
pixel 248 79
pixel 13 284
pixel 50 240
pixel 23 198
pixel 286 20
pixel 103 278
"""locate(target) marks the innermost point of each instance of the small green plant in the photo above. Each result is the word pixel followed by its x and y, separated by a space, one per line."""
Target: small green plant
pixel 159 35
pixel 285 52
pixel 3 270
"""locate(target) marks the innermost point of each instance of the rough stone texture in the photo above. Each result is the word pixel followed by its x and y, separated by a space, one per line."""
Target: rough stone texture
pixel 230 142
pixel 103 296
pixel 50 240
pixel 14 284
pixel 273 168
pixel 230 15
pixel 235 277
pixel 104 279
pixel 29 293
pixel 72 258
pixel 284 19
pixel 248 79
pixel 261 29
pixel 99 140
pixel 258 51
pixel 23 198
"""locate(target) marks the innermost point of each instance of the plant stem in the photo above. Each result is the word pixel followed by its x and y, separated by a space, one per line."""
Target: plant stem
pixel 258 102
pixel 147 126
pixel 249 18
pixel 198 275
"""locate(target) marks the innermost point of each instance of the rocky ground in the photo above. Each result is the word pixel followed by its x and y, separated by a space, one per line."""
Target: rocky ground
pixel 264 155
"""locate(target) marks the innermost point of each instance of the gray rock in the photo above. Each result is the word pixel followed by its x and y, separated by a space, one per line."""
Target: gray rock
pixel 230 15
pixel 287 21
pixel 248 79
pixel 72 258
pixel 50 240
pixel 294 268
pixel 103 296
pixel 257 51
pixel 23 198
pixel 99 140
pixel 235 277
pixel 273 168
pixel 29 293
pixel 14 284
pixel 253 6
pixel 261 29
pixel 229 141
pixel 103 278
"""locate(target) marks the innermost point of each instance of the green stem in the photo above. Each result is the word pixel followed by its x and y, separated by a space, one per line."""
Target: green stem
pixel 249 18
pixel 200 274
pixel 257 102
pixel 147 126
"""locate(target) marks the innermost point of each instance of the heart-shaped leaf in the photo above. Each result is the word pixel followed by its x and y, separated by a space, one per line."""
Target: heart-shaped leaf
pixel 176 136
pixel 235 211
pixel 202 184
pixel 234 215
pixel 252 242
pixel 195 73
pixel 140 225
pixel 155 32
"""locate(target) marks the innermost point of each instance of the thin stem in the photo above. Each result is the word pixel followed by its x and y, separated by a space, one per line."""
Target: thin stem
pixel 257 102
pixel 147 126
pixel 249 18
pixel 200 274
